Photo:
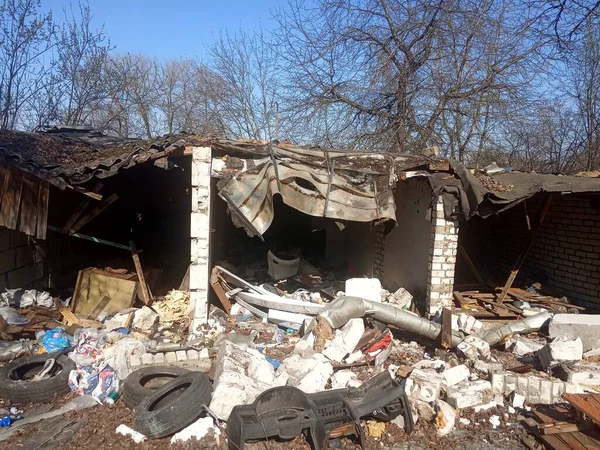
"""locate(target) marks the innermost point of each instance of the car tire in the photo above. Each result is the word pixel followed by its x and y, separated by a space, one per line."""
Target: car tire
pixel 134 386
pixel 174 406
pixel 15 386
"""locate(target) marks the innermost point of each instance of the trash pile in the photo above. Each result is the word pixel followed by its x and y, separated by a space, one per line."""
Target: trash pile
pixel 357 361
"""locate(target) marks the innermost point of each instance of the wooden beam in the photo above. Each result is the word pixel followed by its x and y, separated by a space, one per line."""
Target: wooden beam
pixel 83 191
pixel 214 282
pixel 80 210
pixel 525 250
pixel 93 213
pixel 446 334
pixel 146 297
pixel 99 308
pixel 465 256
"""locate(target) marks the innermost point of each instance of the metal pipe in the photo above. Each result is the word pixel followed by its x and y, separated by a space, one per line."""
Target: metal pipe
pixel 341 310
pixel 529 324
pixel 92 239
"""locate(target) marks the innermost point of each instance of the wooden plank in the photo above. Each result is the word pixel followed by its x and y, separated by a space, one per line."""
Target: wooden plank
pixel 80 210
pixel 99 308
pixel 593 401
pixel 461 300
pixel 446 334
pixel 42 210
pixel 564 428
pixel 83 191
pixel 69 317
pixel 146 297
pixel 581 403
pixel 525 250
pixel 510 308
pixel 3 175
pixel 93 213
pixel 214 282
pixel 11 199
pixel 465 256
pixel 28 210
pixel 564 441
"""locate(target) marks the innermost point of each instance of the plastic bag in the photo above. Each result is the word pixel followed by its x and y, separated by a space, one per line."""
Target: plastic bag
pixel 100 382
pixel 12 317
pixel 33 297
pixel 56 340
pixel 119 354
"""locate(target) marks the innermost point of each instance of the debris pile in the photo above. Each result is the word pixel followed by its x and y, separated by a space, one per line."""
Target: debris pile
pixel 356 360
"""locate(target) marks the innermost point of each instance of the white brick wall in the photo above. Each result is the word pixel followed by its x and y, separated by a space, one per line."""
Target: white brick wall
pixel 442 260
pixel 200 233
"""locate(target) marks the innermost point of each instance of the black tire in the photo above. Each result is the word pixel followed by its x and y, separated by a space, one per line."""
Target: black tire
pixel 174 406
pixel 134 387
pixel 15 387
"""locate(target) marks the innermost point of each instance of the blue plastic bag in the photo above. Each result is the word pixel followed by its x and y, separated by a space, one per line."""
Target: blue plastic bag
pixel 56 340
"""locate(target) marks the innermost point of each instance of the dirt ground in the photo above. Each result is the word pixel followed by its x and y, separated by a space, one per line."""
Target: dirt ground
pixel 95 428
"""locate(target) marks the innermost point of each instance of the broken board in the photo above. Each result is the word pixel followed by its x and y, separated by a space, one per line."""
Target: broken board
pixel 95 284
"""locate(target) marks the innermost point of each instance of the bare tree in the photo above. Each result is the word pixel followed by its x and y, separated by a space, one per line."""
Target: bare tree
pixel 26 38
pixel 401 68
pixel 247 65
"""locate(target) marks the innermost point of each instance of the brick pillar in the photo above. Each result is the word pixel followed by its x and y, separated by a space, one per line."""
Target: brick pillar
pixel 378 252
pixel 442 260
pixel 200 235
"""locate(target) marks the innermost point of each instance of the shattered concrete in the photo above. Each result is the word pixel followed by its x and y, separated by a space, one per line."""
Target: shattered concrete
pixel 455 375
pixel 521 346
pixel 424 385
pixel 473 348
pixel 535 389
pixel 560 350
pixel 240 376
pixel 469 394
pixel 583 373
pixel 446 418
pixel 584 326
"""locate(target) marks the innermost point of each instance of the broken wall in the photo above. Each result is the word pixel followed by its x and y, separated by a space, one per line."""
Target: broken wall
pixel 565 256
pixel 406 252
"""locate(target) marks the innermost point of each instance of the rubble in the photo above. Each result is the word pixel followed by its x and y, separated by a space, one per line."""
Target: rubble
pixel 583 326
pixel 446 418
pixel 522 346
pixel 424 385
pixel 561 349
pixel 196 430
pixel 582 373
pixel 455 375
pixel 343 379
pixel 473 348
pixel 469 394
pixel 535 389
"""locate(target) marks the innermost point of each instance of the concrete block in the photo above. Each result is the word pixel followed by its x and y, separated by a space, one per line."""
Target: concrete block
pixel 316 379
pixel 517 400
pixel 474 348
pixel 367 288
pixel 561 349
pixel 7 260
pixel 181 355
pixel 24 256
pixel 486 368
pixel 199 276
pixel 521 346
pixel 455 375
pixel 170 357
pixel 584 326
pixel 147 359
pixel 424 385
pixel 193 355
pixel 159 359
pixel 200 225
pixel 469 394
pixel 582 372
pixel 135 361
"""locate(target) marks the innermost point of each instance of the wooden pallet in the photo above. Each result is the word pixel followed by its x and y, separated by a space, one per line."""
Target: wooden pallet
pixel 548 423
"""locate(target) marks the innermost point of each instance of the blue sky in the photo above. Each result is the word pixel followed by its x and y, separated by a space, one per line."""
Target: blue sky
pixel 172 28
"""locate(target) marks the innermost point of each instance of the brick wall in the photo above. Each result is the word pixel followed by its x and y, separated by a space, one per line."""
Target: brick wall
pixel 20 264
pixel 565 255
